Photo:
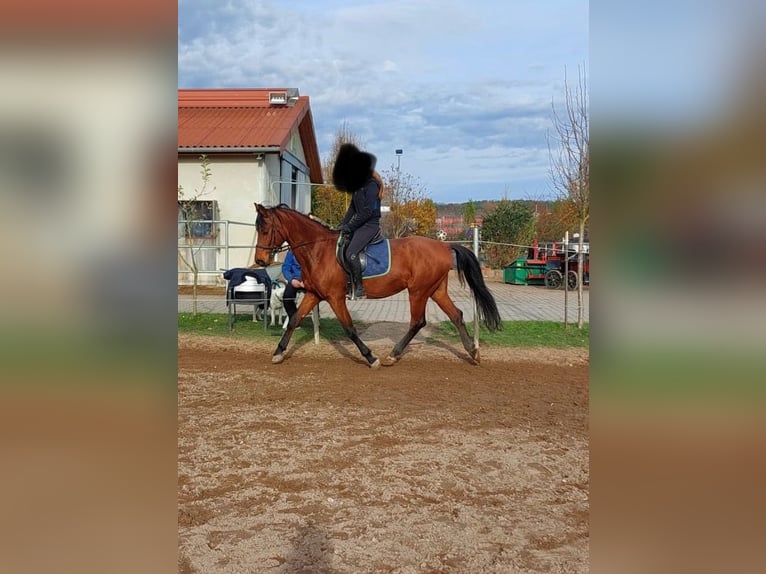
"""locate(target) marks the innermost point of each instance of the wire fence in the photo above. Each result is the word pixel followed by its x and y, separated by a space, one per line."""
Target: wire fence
pixel 222 244
pixel 232 244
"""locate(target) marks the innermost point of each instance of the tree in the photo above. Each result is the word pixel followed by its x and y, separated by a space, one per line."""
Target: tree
pixel 511 222
pixel 328 203
pixel 553 220
pixel 192 227
pixel 469 212
pixel 411 211
pixel 570 163
pixel 424 213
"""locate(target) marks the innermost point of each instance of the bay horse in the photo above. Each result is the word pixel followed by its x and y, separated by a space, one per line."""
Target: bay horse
pixel 419 264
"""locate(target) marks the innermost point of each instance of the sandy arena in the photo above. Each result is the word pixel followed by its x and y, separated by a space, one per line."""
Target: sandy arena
pixel 430 466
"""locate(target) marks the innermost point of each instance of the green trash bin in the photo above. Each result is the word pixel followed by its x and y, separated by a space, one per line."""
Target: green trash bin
pixel 515 273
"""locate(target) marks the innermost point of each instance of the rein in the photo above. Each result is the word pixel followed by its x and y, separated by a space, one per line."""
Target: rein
pixel 286 247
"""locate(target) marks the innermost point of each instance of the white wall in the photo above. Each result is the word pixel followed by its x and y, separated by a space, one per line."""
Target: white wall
pixel 235 183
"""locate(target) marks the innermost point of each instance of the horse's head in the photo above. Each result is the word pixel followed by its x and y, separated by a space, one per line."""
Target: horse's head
pixel 271 235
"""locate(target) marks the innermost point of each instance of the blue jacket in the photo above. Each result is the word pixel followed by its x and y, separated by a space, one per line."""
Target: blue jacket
pixel 291 269
pixel 364 208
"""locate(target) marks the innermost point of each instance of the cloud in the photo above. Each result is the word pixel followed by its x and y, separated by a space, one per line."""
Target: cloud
pixel 446 80
pixel 389 66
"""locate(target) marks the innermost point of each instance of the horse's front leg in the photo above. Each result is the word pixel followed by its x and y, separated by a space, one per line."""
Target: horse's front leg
pixel 309 301
pixel 338 305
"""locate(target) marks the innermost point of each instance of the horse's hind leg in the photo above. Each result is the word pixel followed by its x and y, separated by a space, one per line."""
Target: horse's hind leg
pixel 344 318
pixel 443 300
pixel 417 322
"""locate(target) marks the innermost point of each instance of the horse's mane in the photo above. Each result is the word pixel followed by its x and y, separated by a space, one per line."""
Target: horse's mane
pixel 320 221
pixel 309 218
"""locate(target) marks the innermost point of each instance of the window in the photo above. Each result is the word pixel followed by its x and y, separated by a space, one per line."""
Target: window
pixel 195 219
pixel 294 189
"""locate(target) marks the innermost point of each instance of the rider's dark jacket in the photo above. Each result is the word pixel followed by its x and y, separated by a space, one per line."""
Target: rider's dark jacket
pixel 364 210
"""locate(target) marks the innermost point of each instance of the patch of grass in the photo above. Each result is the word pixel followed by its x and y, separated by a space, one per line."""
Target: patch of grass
pixel 63 357
pixel 246 328
pixel 525 334
pixel 514 333
pixel 660 374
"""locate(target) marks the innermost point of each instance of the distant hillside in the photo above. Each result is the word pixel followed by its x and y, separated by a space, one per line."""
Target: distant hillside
pixel 482 207
pixel 450 216
pixel 456 209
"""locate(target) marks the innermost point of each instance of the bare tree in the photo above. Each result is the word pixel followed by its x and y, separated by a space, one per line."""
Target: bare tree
pixel 569 154
pixel 191 218
pixel 411 211
pixel 328 203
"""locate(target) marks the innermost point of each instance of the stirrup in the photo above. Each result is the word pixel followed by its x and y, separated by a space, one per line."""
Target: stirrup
pixel 354 296
pixel 354 293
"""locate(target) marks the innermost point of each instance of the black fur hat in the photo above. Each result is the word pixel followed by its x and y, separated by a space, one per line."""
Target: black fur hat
pixel 352 168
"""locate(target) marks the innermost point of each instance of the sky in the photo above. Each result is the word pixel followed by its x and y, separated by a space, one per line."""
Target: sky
pixel 463 87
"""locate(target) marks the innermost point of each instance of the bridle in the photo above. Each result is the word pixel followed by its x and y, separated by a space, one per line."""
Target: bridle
pixel 275 250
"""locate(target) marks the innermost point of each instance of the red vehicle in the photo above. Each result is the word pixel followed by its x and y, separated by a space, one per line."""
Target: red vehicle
pixel 558 258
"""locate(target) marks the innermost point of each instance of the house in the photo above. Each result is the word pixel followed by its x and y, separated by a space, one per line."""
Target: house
pixel 261 147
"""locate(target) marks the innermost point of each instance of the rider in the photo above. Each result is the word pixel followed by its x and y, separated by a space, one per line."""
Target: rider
pixel 354 173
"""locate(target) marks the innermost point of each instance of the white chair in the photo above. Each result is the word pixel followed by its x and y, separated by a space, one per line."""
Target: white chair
pixel 250 292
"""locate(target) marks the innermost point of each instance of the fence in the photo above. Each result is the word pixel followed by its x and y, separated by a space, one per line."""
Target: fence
pixel 232 244
pixel 224 248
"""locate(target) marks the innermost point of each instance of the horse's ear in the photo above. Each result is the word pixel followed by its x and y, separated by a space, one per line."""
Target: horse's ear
pixel 259 208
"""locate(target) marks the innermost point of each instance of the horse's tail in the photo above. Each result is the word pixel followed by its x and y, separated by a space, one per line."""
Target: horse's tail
pixel 468 269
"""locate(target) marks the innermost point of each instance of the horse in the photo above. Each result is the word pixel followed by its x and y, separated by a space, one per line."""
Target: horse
pixel 419 264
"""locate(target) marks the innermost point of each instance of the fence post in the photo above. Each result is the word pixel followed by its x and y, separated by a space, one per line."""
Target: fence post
pixel 475 303
pixel 566 279
pixel 226 248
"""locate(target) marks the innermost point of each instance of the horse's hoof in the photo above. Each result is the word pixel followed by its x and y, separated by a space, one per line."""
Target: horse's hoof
pixel 375 365
pixel 390 361
pixel 476 356
pixel 276 359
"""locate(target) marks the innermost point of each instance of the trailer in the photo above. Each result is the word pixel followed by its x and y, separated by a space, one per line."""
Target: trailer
pixel 545 265
pixel 559 258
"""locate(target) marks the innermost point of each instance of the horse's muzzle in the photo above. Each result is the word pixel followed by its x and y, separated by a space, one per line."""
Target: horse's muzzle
pixel 261 262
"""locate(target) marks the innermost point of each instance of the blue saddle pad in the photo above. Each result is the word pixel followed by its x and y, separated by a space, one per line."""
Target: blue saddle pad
pixel 378 259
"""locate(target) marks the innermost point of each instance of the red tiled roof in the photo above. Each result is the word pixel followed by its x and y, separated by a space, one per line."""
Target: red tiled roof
pixel 89 18
pixel 231 120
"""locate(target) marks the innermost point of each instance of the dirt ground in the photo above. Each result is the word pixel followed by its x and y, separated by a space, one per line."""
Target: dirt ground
pixel 433 465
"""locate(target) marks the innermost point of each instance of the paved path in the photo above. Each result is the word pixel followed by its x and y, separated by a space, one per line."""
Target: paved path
pixel 515 302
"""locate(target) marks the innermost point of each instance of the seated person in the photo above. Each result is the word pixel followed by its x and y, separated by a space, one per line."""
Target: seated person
pixel 291 270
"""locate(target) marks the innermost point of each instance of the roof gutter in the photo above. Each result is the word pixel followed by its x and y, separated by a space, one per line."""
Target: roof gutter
pixel 260 149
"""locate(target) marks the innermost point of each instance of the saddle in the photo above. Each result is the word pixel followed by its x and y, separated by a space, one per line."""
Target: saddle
pixel 340 252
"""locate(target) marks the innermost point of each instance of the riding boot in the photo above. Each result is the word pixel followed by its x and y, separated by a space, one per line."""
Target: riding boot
pixel 357 287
